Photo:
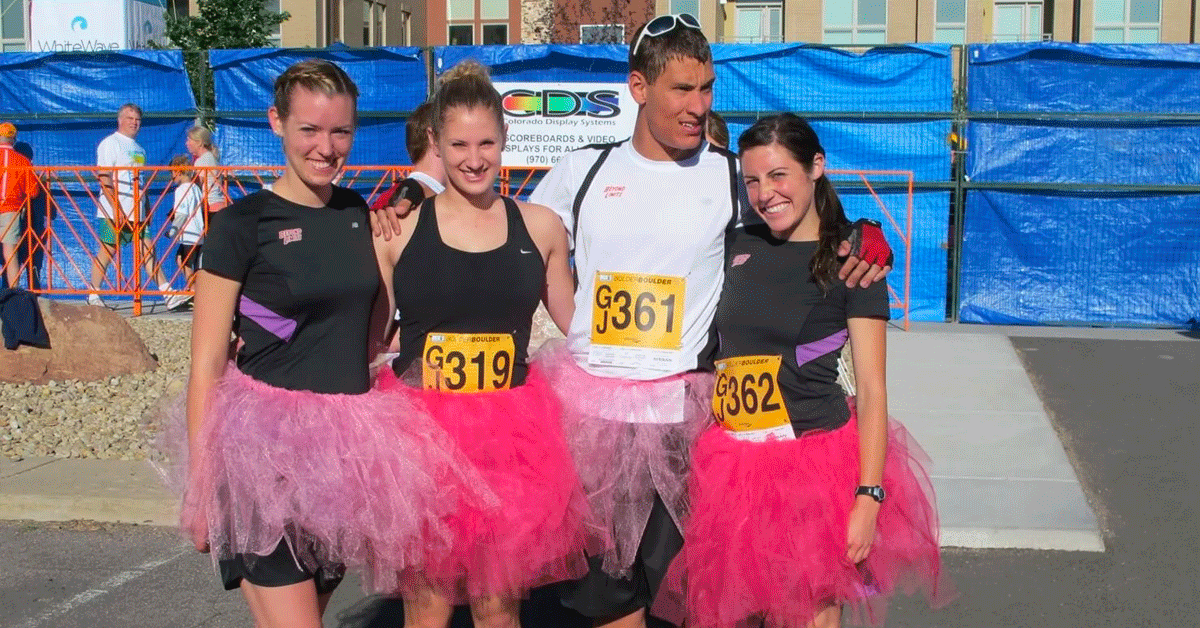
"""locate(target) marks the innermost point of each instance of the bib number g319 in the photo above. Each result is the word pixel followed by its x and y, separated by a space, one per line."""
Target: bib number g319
pixel 467 362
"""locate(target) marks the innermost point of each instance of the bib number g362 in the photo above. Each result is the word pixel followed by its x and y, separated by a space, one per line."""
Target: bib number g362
pixel 746 395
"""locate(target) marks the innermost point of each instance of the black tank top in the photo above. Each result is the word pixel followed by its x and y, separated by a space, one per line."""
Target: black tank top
pixel 442 289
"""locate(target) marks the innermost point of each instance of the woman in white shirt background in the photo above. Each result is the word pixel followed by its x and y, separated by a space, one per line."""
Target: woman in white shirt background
pixel 204 156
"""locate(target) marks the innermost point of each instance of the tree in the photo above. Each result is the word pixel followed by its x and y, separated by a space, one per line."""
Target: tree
pixel 220 24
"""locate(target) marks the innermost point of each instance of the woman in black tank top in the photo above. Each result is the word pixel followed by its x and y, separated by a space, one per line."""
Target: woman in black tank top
pixel 467 272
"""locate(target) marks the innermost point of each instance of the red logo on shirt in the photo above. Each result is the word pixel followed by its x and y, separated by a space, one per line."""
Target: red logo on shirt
pixel 287 236
pixel 738 260
pixel 614 191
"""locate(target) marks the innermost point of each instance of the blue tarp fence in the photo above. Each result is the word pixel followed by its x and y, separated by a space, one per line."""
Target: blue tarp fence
pixel 65 103
pixel 1069 117
pixel 1079 157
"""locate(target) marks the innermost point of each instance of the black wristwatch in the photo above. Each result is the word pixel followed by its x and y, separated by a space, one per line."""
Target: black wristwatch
pixel 874 492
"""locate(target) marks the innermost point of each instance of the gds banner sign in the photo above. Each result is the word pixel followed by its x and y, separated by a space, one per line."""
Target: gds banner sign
pixel 547 120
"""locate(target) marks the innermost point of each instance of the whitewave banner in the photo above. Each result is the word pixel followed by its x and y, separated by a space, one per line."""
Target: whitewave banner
pixel 76 25
pixel 547 120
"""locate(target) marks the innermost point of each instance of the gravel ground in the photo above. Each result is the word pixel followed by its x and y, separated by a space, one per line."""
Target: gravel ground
pixel 100 419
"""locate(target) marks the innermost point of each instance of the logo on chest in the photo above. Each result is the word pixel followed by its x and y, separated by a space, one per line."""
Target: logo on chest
pixel 613 191
pixel 287 236
pixel 738 260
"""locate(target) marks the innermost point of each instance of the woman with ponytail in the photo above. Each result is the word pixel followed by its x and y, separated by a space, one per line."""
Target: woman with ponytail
pixel 804 501
pixel 466 273
pixel 206 158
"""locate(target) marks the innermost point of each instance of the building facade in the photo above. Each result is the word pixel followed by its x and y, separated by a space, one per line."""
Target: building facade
pixel 319 23
pixel 872 22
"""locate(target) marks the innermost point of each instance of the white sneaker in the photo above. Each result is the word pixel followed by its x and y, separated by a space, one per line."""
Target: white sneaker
pixel 172 300
pixel 94 299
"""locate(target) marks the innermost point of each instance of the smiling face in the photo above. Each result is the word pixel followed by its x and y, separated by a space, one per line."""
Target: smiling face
pixel 129 122
pixel 469 144
pixel 781 191
pixel 317 135
pixel 670 122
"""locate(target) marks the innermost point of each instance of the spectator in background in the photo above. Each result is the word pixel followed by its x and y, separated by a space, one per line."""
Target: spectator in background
pixel 204 155
pixel 187 216
pixel 116 156
pixel 715 130
pixel 428 175
pixel 18 184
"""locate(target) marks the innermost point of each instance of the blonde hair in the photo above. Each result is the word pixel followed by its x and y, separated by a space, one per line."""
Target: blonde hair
pixel 315 75
pixel 466 85
pixel 204 137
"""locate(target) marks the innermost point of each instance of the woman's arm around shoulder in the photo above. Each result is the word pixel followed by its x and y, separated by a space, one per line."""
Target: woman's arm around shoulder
pixel 550 236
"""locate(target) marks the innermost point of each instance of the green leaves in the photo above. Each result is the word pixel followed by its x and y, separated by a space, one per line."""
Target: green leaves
pixel 219 24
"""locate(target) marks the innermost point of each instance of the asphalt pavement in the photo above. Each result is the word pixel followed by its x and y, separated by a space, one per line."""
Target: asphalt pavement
pixel 1120 413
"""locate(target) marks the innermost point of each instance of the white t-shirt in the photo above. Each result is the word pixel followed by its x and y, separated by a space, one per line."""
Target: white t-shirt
pixel 660 218
pixel 119 151
pixel 212 180
pixel 189 213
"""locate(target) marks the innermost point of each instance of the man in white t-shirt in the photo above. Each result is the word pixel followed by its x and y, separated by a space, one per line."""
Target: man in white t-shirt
pixel 121 210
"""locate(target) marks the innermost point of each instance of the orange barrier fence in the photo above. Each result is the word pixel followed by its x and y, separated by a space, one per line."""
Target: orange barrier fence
pixel 62 244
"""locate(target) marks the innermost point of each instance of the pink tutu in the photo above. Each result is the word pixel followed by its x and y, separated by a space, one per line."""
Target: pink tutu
pixel 317 469
pixel 767 536
pixel 623 463
pixel 542 527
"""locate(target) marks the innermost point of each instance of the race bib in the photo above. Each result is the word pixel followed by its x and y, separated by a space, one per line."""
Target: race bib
pixel 637 320
pixel 747 400
pixel 467 362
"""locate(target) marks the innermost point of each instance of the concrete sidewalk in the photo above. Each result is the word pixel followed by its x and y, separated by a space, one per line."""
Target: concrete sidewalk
pixel 1002 477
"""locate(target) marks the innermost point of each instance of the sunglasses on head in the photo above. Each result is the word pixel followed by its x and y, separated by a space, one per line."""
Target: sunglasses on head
pixel 664 24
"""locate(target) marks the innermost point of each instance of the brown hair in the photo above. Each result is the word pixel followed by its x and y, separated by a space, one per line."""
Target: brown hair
pixel 654 52
pixel 315 75
pixel 717 130
pixel 795 135
pixel 416 131
pixel 132 107
pixel 465 85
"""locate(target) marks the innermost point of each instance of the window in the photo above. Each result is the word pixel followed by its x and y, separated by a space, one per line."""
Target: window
pixel 1127 21
pixel 495 34
pixel 759 23
pixel 12 25
pixel 460 35
pixel 1018 20
pixel 333 26
pixel 601 33
pixel 373 23
pixel 686 6
pixel 275 38
pixel 493 9
pixel 950 22
pixel 855 22
pixel 405 28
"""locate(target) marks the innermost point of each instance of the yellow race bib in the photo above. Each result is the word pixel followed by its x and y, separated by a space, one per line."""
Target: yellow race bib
pixel 636 319
pixel 746 397
pixel 467 362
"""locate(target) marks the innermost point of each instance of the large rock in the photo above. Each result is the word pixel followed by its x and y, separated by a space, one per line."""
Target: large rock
pixel 86 343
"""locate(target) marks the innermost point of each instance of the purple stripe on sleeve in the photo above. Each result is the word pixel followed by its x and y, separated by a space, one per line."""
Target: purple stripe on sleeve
pixel 268 320
pixel 808 352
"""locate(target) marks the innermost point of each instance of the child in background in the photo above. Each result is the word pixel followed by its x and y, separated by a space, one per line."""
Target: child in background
pixel 187 217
